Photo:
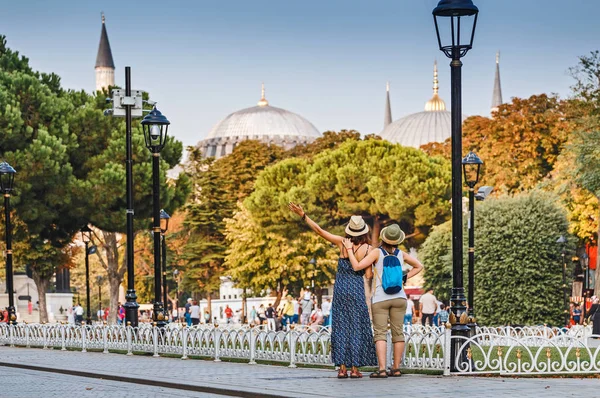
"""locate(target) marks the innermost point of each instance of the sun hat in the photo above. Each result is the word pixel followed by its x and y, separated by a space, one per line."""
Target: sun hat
pixel 357 226
pixel 392 235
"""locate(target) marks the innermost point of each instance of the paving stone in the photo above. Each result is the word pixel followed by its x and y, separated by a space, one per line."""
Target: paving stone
pixel 283 381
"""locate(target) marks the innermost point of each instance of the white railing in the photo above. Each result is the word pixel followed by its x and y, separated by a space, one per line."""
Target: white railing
pixel 500 350
pixel 301 345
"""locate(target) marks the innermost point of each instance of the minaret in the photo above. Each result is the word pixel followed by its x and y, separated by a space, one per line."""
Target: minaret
pixel 105 67
pixel 497 95
pixel 387 118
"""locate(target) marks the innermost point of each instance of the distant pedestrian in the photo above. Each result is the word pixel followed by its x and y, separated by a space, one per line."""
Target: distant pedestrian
pixel 326 309
pixel 195 313
pixel 253 316
pixel 121 314
pixel 307 308
pixel 410 310
pixel 287 313
pixel 427 307
pixel 316 319
pixel 206 316
pixel 261 314
pixel 270 315
pixel 443 315
pixel 188 319
pixel 576 314
pixel 78 314
pixel 29 307
pixel 228 314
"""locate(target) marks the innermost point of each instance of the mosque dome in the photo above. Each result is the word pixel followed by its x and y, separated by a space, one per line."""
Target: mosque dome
pixel 432 125
pixel 262 122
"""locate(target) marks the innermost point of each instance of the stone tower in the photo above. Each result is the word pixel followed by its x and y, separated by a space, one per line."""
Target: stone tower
pixel 497 93
pixel 105 67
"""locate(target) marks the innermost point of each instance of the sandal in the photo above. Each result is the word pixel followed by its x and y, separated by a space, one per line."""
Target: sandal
pixel 394 373
pixel 380 374
pixel 342 373
pixel 355 374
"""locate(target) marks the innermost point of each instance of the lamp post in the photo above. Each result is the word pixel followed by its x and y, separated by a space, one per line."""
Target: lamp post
pixel 461 17
pixel 563 241
pixel 7 179
pixel 471 167
pixel 99 280
pixel 164 227
pixel 128 104
pixel 155 126
pixel 86 236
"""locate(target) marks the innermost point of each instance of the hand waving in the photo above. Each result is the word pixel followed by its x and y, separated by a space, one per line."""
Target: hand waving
pixel 296 208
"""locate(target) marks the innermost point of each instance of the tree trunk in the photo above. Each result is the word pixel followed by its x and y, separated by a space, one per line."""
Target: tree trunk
pixel 597 273
pixel 114 276
pixel 278 298
pixel 42 287
pixel 209 304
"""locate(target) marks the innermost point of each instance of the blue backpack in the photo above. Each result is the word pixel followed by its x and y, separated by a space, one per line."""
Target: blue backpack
pixel 391 280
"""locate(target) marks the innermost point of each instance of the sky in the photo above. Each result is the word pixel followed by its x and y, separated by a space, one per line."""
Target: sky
pixel 326 60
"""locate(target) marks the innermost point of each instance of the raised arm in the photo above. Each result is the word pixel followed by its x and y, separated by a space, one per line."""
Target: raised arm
pixel 416 265
pixel 335 239
pixel 365 262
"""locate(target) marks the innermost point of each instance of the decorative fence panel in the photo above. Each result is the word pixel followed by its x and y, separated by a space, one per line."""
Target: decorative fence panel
pixel 501 350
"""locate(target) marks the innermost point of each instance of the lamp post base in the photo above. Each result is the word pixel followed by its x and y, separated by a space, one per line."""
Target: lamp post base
pixel 12 315
pixel 459 320
pixel 160 318
pixel 131 308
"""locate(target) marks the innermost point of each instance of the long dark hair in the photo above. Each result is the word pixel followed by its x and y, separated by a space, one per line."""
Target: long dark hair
pixel 388 248
pixel 360 239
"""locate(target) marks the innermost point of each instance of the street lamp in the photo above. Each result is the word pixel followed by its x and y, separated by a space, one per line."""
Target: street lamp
pixel 164 227
pixel 86 237
pixel 461 16
pixel 471 167
pixel 563 241
pixel 128 103
pixel 7 179
pixel 155 126
pixel 99 280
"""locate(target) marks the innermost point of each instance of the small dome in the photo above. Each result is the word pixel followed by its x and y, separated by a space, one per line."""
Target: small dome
pixel 432 125
pixel 420 128
pixel 262 122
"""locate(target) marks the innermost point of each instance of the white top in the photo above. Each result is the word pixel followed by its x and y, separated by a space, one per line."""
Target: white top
pixel 429 303
pixel 379 294
pixel 326 308
pixel 409 306
pixel 195 311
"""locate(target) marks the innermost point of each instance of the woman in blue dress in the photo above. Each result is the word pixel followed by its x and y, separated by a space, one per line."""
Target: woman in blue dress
pixel 351 334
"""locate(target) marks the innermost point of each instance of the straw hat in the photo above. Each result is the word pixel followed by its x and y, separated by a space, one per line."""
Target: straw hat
pixel 357 226
pixel 392 235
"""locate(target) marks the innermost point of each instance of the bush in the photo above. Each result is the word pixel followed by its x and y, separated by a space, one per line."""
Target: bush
pixel 518 265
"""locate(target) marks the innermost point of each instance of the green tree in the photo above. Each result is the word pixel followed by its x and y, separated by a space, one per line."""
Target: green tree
pixel 373 178
pixel 264 261
pixel 217 185
pixel 518 265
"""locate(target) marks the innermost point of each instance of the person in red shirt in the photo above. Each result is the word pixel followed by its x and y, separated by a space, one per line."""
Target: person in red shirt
pixel 228 314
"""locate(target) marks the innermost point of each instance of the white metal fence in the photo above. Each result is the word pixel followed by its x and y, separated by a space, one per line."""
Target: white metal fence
pixel 503 350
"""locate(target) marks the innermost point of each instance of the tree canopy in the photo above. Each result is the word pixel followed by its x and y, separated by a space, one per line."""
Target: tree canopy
pixel 518 264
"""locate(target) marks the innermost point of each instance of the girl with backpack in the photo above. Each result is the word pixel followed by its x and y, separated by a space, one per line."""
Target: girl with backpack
pixel 389 299
pixel 351 336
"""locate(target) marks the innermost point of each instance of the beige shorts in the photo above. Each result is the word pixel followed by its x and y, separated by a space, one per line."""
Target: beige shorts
pixel 391 311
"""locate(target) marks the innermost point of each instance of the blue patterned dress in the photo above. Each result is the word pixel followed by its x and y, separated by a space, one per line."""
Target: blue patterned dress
pixel 351 334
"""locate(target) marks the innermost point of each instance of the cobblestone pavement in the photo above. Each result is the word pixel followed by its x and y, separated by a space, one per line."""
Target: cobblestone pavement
pixel 275 380
pixel 23 383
